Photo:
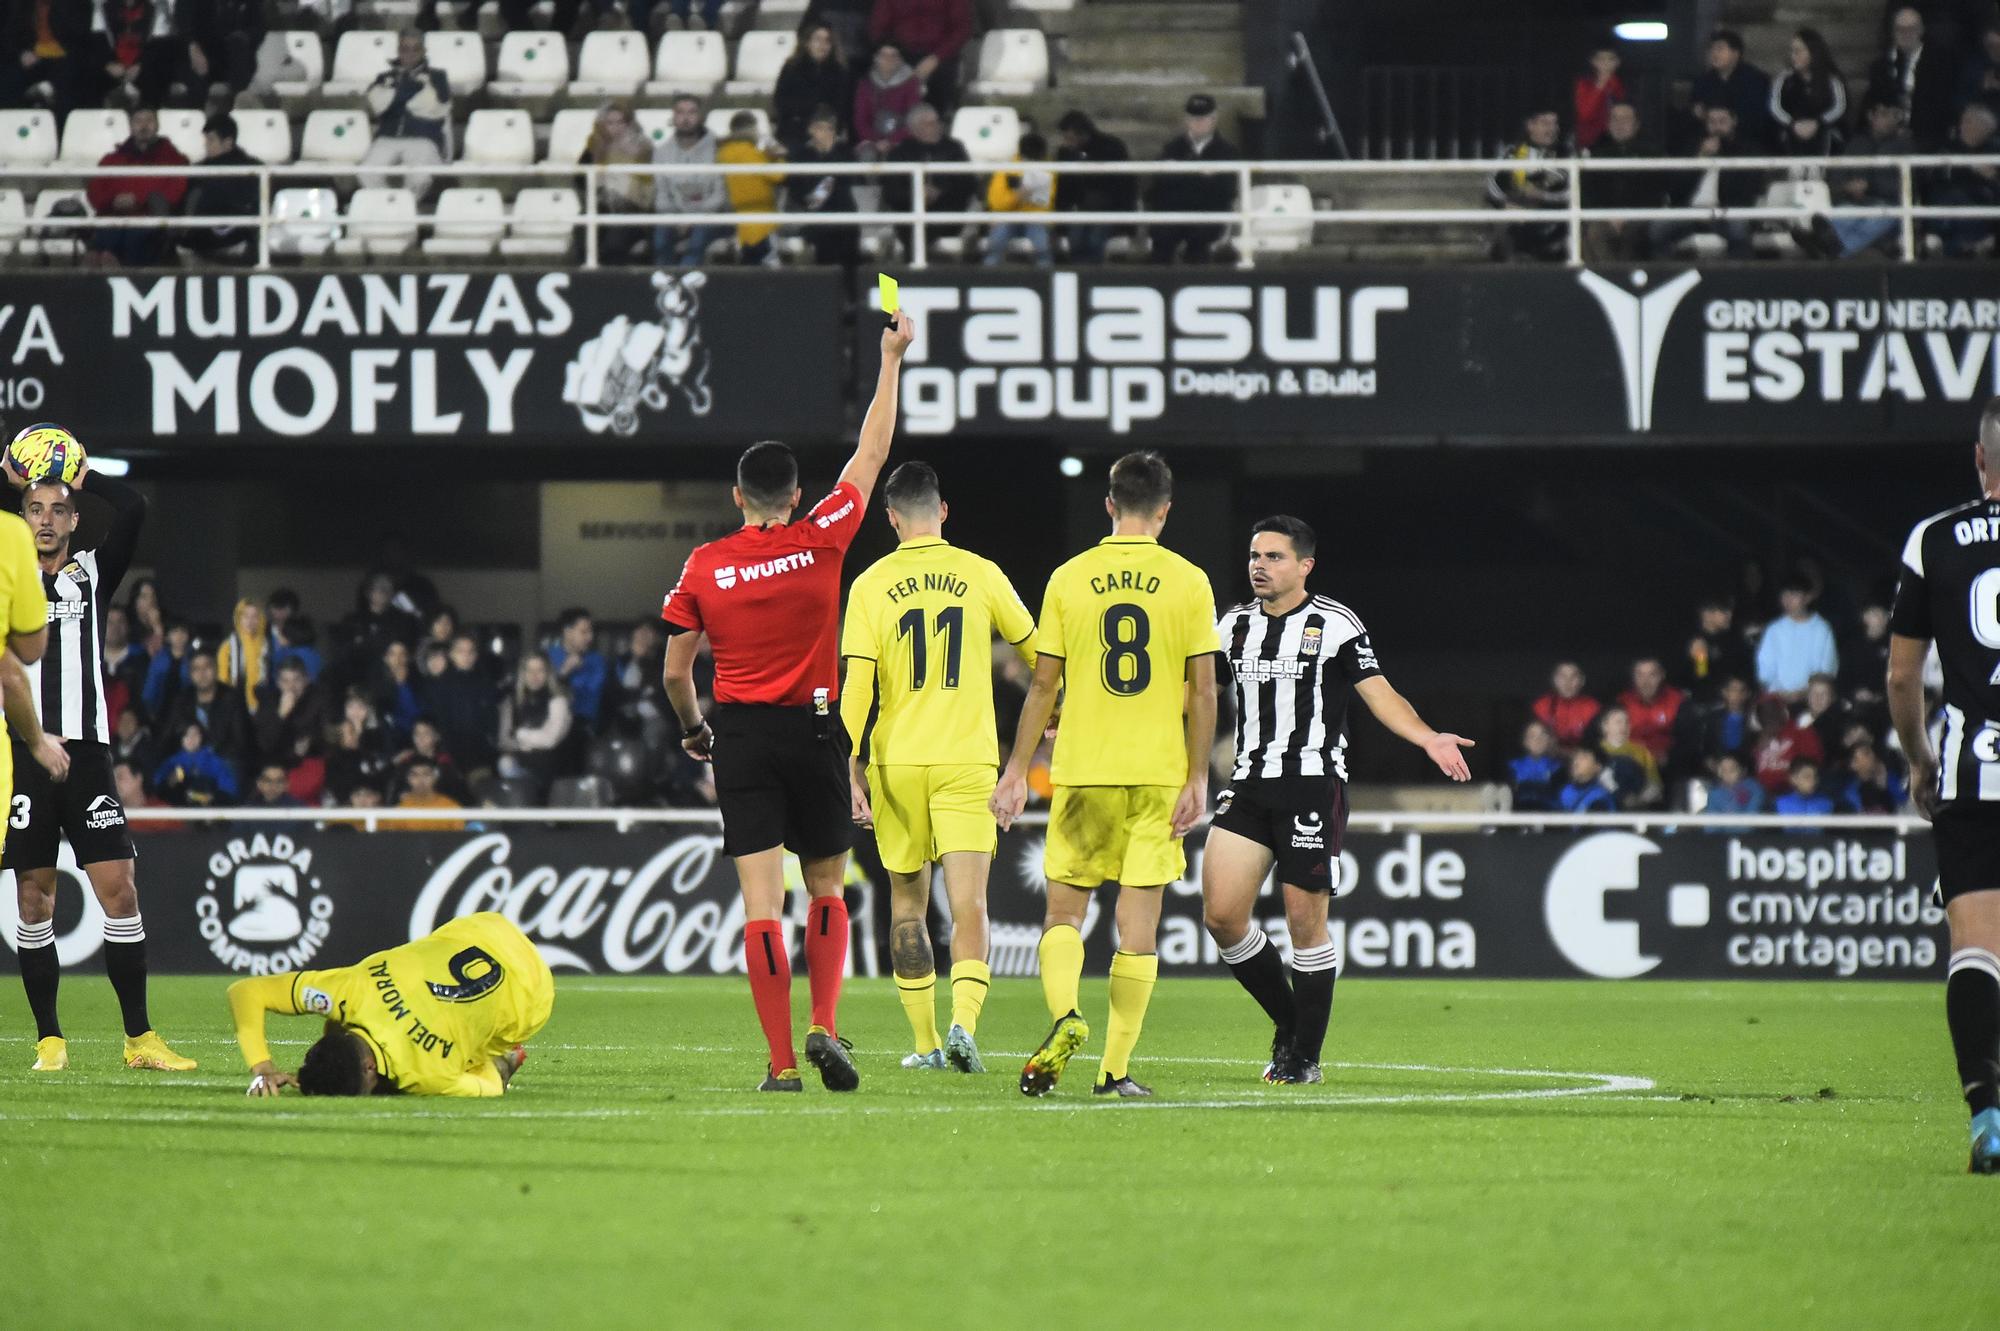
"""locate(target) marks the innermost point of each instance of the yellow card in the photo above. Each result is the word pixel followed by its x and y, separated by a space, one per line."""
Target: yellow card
pixel 887 284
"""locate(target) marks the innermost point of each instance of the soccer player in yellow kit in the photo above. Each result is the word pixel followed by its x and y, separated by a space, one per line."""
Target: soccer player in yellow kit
pixel 1128 631
pixel 918 640
pixel 445 1015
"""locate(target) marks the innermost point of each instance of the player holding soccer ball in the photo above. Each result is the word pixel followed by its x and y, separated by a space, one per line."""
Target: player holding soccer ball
pixel 48 466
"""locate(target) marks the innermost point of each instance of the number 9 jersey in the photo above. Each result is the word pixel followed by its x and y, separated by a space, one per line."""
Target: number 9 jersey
pixel 1126 616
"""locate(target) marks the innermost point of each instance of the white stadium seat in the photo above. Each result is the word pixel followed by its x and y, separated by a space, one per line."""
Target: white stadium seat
pixel 460 57
pixel 717 122
pixel 569 132
pixel 531 64
pixel 655 122
pixel 1284 222
pixel 989 133
pixel 361 56
pixel 1013 62
pixel 88 135
pixel 183 130
pixel 759 56
pixel 499 138
pixel 541 226
pixel 1045 6
pixel 304 49
pixel 381 221
pixel 798 7
pixel 65 243
pixel 611 64
pixel 335 137
pixel 27 138
pixel 265 135
pixel 13 219
pixel 689 62
pixel 466 224
pixel 304 221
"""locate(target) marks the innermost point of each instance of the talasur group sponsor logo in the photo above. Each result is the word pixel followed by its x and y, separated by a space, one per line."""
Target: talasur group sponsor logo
pixel 261 909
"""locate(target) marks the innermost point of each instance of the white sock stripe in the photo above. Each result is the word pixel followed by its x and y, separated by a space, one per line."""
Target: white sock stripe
pixel 1251 944
pixel 1974 959
pixel 1313 959
pixel 36 935
pixel 131 929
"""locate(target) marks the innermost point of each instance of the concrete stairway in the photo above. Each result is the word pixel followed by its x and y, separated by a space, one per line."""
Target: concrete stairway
pixel 1132 64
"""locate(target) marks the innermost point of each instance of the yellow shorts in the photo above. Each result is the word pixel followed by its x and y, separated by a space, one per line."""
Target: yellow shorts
pixel 1113 834
pixel 530 990
pixel 924 812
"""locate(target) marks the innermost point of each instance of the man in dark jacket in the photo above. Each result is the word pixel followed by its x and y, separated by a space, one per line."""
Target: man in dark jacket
pixel 1734 82
pixel 45 53
pixel 946 192
pixel 1193 193
pixel 1919 77
pixel 217 710
pixel 1715 188
pixel 222 41
pixel 1621 189
pixel 466 707
pixel 136 196
pixel 221 196
pixel 1974 186
pixel 1083 141
pixel 1530 189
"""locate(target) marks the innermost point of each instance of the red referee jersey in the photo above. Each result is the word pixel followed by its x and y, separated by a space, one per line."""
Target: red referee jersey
pixel 769 600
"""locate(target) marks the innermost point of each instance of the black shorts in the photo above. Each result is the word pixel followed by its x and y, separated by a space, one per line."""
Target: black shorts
pixel 84 808
pixel 1299 819
pixel 781 780
pixel 1968 849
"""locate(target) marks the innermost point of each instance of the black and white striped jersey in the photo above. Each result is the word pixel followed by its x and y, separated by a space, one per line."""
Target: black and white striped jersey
pixel 68 682
pixel 1293 673
pixel 1950 594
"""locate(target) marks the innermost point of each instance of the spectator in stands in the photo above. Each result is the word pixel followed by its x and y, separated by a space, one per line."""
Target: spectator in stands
pixel 137 52
pixel 128 779
pixel 617 140
pixel 1587 791
pixel 292 634
pixel 883 102
pixel 1615 239
pixel 125 661
pixel 751 192
pixel 1827 713
pixel 1715 652
pixel 1596 91
pixel 1980 81
pixel 815 76
pixel 398 691
pixel 1796 646
pixel 849 20
pixel 244 658
pixel 1864 663
pixel 136 196
pixel 808 193
pixel 642 695
pixel 1715 187
pixel 933 33
pixel 196 774
pixel 1780 743
pixel 1802 796
pixel 1634 771
pixel 1030 192
pixel 534 724
pixel 1871 787
pixel 1845 237
pixel 359 749
pixel 427 746
pixel 273 790
pixel 219 711
pixel 1526 189
pixel 584 673
pixel 1971 185
pixel 376 621
pixel 220 195
pixel 1809 100
pixel 1534 775
pixel 411 103
pixel 1919 78
pixel 1733 791
pixel 222 41
pixel 1082 141
pixel 167 671
pixel 681 16
pixel 1565 708
pixel 291 715
pixel 420 791
pixel 1654 707
pixel 1732 82
pixel 149 625
pixel 132 740
pixel 466 707
pixel 1728 725
pixel 946 192
pixel 1193 192
pixel 47 53
pixel 683 192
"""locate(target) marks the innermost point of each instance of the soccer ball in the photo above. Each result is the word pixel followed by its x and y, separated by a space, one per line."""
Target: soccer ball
pixel 47 452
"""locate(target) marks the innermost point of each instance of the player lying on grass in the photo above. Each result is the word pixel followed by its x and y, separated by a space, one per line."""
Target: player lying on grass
pixel 445 1015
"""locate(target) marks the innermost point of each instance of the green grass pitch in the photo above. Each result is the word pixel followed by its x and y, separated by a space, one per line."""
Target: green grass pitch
pixel 1483 1154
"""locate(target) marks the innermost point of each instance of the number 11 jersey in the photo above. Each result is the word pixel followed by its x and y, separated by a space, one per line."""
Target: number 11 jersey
pixel 1126 615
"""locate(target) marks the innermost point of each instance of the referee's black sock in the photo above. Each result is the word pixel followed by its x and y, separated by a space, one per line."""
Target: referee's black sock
pixel 125 964
pixel 1257 968
pixel 1314 969
pixel 41 972
pixel 1972 1007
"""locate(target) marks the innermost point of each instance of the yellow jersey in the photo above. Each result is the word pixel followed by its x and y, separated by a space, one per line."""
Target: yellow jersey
pixel 925 614
pixel 1125 616
pixel 23 606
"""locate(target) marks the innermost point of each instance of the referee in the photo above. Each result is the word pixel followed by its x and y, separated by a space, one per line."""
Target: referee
pixel 1294 658
pixel 768 597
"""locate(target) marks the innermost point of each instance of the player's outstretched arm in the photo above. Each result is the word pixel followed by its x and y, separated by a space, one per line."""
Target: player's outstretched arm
pixel 678 676
pixel 1393 710
pixel 1906 712
pixel 249 1000
pixel 1193 801
pixel 878 427
pixel 26 722
pixel 1010 796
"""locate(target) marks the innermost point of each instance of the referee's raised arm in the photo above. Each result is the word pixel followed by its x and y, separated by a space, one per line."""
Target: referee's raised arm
pixel 871 451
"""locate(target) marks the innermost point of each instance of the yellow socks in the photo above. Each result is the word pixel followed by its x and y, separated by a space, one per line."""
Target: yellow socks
pixel 919 995
pixel 1062 968
pixel 1132 978
pixel 969 981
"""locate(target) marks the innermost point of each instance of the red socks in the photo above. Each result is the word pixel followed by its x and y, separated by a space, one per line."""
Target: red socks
pixel 826 957
pixel 770 968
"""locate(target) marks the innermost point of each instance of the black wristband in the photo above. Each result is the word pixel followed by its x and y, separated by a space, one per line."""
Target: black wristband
pixel 691 731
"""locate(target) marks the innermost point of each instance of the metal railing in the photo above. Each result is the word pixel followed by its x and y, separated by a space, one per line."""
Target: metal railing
pixel 1257 224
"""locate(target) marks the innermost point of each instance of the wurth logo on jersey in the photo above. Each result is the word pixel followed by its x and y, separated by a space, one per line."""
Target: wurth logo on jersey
pixel 730 574
pixel 826 520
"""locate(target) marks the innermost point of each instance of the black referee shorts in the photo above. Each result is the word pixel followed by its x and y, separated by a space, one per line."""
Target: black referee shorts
pixel 1299 819
pixel 1968 848
pixel 84 808
pixel 781 780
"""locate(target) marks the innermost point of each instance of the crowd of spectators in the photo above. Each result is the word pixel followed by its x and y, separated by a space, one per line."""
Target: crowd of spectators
pixel 1922 95
pixel 1786 716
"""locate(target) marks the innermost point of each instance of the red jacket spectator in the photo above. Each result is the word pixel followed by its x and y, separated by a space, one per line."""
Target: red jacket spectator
pixel 105 190
pixel 1653 722
pixel 1570 718
pixel 922 28
pixel 1778 749
pixel 1594 101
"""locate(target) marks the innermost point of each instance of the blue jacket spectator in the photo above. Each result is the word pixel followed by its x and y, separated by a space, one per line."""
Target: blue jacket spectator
pixel 1796 647
pixel 1586 791
pixel 1534 776
pixel 1874 787
pixel 584 672
pixel 1805 798
pixel 167 672
pixel 196 774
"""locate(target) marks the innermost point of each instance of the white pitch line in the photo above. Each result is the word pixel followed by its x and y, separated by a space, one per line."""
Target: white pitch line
pixel 261 1115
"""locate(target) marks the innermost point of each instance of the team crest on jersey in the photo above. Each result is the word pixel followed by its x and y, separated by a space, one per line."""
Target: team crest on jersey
pixel 1223 801
pixel 1309 643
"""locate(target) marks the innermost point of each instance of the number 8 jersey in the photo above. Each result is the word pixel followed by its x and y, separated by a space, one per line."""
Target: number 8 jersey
pixel 1125 616
pixel 1950 593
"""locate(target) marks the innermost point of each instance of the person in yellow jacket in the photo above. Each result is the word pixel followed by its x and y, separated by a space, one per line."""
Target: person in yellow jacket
pixel 750 191
pixel 1017 193
pixel 241 662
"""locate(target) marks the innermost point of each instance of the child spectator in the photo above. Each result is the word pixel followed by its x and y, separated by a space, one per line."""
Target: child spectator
pixel 1031 191
pixel 420 791
pixel 1728 726
pixel 1715 652
pixel 1872 787
pixel 1803 797
pixel 1783 743
pixel 1595 93
pixel 1534 775
pixel 1586 791
pixel 196 774
pixel 1733 791
pixel 1634 772
pixel 1565 708
pixel 807 193
pixel 1796 646
pixel 750 192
